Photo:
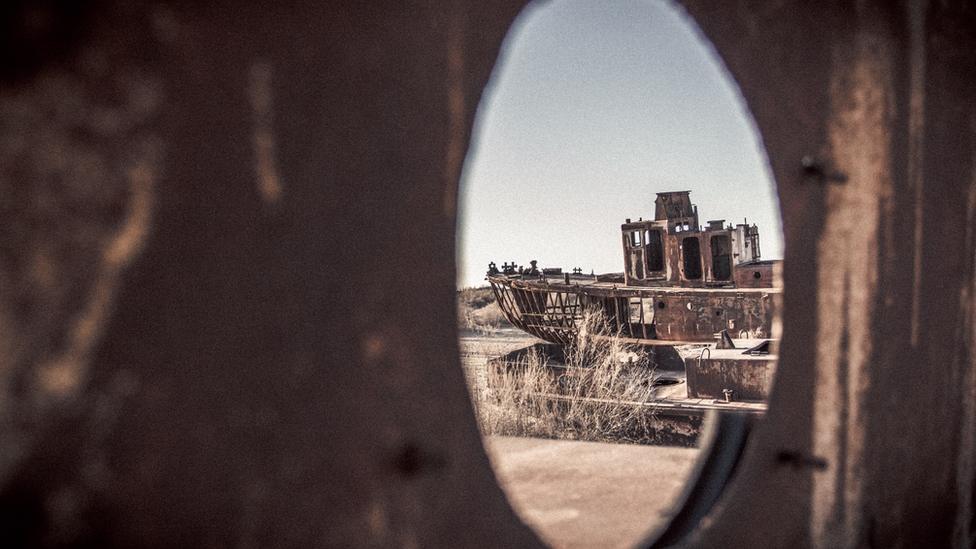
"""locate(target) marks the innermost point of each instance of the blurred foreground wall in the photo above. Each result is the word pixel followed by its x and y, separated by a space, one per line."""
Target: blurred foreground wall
pixel 227 273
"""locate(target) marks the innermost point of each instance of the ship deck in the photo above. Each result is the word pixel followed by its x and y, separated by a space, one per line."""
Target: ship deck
pixel 594 285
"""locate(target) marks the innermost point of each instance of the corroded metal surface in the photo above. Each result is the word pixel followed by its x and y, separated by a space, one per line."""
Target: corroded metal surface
pixel 674 249
pixel 711 372
pixel 866 112
pixel 198 351
pixel 755 275
pixel 236 392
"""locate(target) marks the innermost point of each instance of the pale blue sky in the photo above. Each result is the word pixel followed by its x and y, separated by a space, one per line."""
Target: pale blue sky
pixel 593 108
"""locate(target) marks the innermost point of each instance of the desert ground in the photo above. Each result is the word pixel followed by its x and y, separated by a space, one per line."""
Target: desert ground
pixel 590 494
pixel 578 494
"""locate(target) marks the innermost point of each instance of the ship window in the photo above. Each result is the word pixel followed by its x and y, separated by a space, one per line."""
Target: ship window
pixel 655 250
pixel 691 255
pixel 636 309
pixel 635 238
pixel 721 257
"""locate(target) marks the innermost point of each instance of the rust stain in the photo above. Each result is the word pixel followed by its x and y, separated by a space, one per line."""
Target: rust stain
pixel 454 155
pixel 265 161
pixel 861 95
pixel 916 142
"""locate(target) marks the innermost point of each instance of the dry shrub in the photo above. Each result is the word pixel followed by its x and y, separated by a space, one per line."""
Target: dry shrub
pixel 601 393
pixel 478 312
pixel 487 320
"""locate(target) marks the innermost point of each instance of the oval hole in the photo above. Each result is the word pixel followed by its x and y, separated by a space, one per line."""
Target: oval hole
pixel 597 115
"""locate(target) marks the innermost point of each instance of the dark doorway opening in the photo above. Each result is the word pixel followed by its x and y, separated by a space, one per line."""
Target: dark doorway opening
pixel 691 256
pixel 721 257
pixel 655 251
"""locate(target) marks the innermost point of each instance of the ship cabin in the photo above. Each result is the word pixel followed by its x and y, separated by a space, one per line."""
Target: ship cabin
pixel 673 249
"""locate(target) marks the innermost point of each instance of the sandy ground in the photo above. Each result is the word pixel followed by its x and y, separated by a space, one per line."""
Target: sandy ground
pixel 579 494
pixel 590 494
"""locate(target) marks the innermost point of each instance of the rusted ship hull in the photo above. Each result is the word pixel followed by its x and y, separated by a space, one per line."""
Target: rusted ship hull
pixel 666 315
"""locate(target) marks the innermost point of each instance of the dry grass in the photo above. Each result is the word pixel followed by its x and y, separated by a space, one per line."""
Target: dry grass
pixel 478 312
pixel 596 396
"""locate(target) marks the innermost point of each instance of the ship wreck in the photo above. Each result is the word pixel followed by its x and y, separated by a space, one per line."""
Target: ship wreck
pixel 699 298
